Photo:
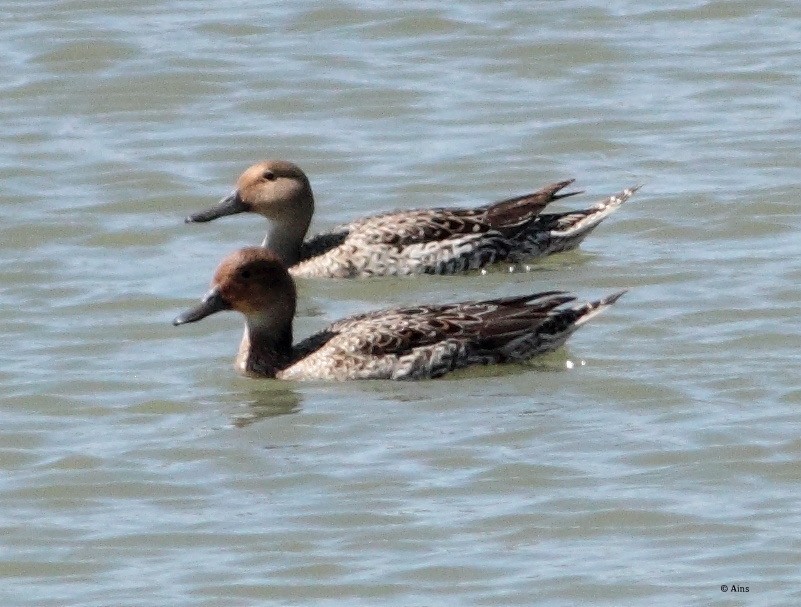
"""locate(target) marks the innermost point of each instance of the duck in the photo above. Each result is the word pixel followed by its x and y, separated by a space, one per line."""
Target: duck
pixel 401 343
pixel 405 242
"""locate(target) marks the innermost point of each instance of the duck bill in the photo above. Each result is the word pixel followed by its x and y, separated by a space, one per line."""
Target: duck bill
pixel 230 205
pixel 212 303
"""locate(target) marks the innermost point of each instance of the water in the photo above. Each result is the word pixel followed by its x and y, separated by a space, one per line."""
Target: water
pixel 138 470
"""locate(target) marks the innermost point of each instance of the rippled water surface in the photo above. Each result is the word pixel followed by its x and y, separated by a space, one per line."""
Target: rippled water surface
pixel 650 462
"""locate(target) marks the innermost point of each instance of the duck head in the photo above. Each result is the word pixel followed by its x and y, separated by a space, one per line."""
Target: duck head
pixel 279 191
pixel 254 282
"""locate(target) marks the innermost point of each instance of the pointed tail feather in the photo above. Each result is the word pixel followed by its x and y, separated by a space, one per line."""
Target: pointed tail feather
pixel 617 199
pixel 591 309
pixel 519 210
pixel 579 223
pixel 557 232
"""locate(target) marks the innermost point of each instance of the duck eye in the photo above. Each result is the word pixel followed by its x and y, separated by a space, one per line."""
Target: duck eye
pixel 244 274
pixel 269 176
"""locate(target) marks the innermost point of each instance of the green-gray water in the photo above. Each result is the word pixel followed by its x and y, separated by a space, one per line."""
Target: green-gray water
pixel 139 470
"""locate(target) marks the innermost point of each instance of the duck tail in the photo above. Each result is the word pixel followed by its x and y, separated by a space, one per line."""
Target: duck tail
pixel 554 332
pixel 558 232
pixel 591 309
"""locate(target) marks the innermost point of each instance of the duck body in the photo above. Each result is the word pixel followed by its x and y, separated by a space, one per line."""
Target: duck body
pixel 407 242
pixel 404 343
pixel 426 342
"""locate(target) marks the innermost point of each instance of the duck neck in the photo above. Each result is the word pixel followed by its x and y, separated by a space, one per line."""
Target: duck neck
pixel 285 239
pixel 287 228
pixel 265 350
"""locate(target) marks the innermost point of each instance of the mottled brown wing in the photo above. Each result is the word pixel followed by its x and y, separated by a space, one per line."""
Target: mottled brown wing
pixel 404 228
pixel 409 227
pixel 486 324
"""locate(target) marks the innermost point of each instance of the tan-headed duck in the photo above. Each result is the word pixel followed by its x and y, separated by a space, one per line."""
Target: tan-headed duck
pixel 419 241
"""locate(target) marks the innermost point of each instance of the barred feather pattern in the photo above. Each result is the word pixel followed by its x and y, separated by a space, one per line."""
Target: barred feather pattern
pixel 445 241
pixel 558 232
